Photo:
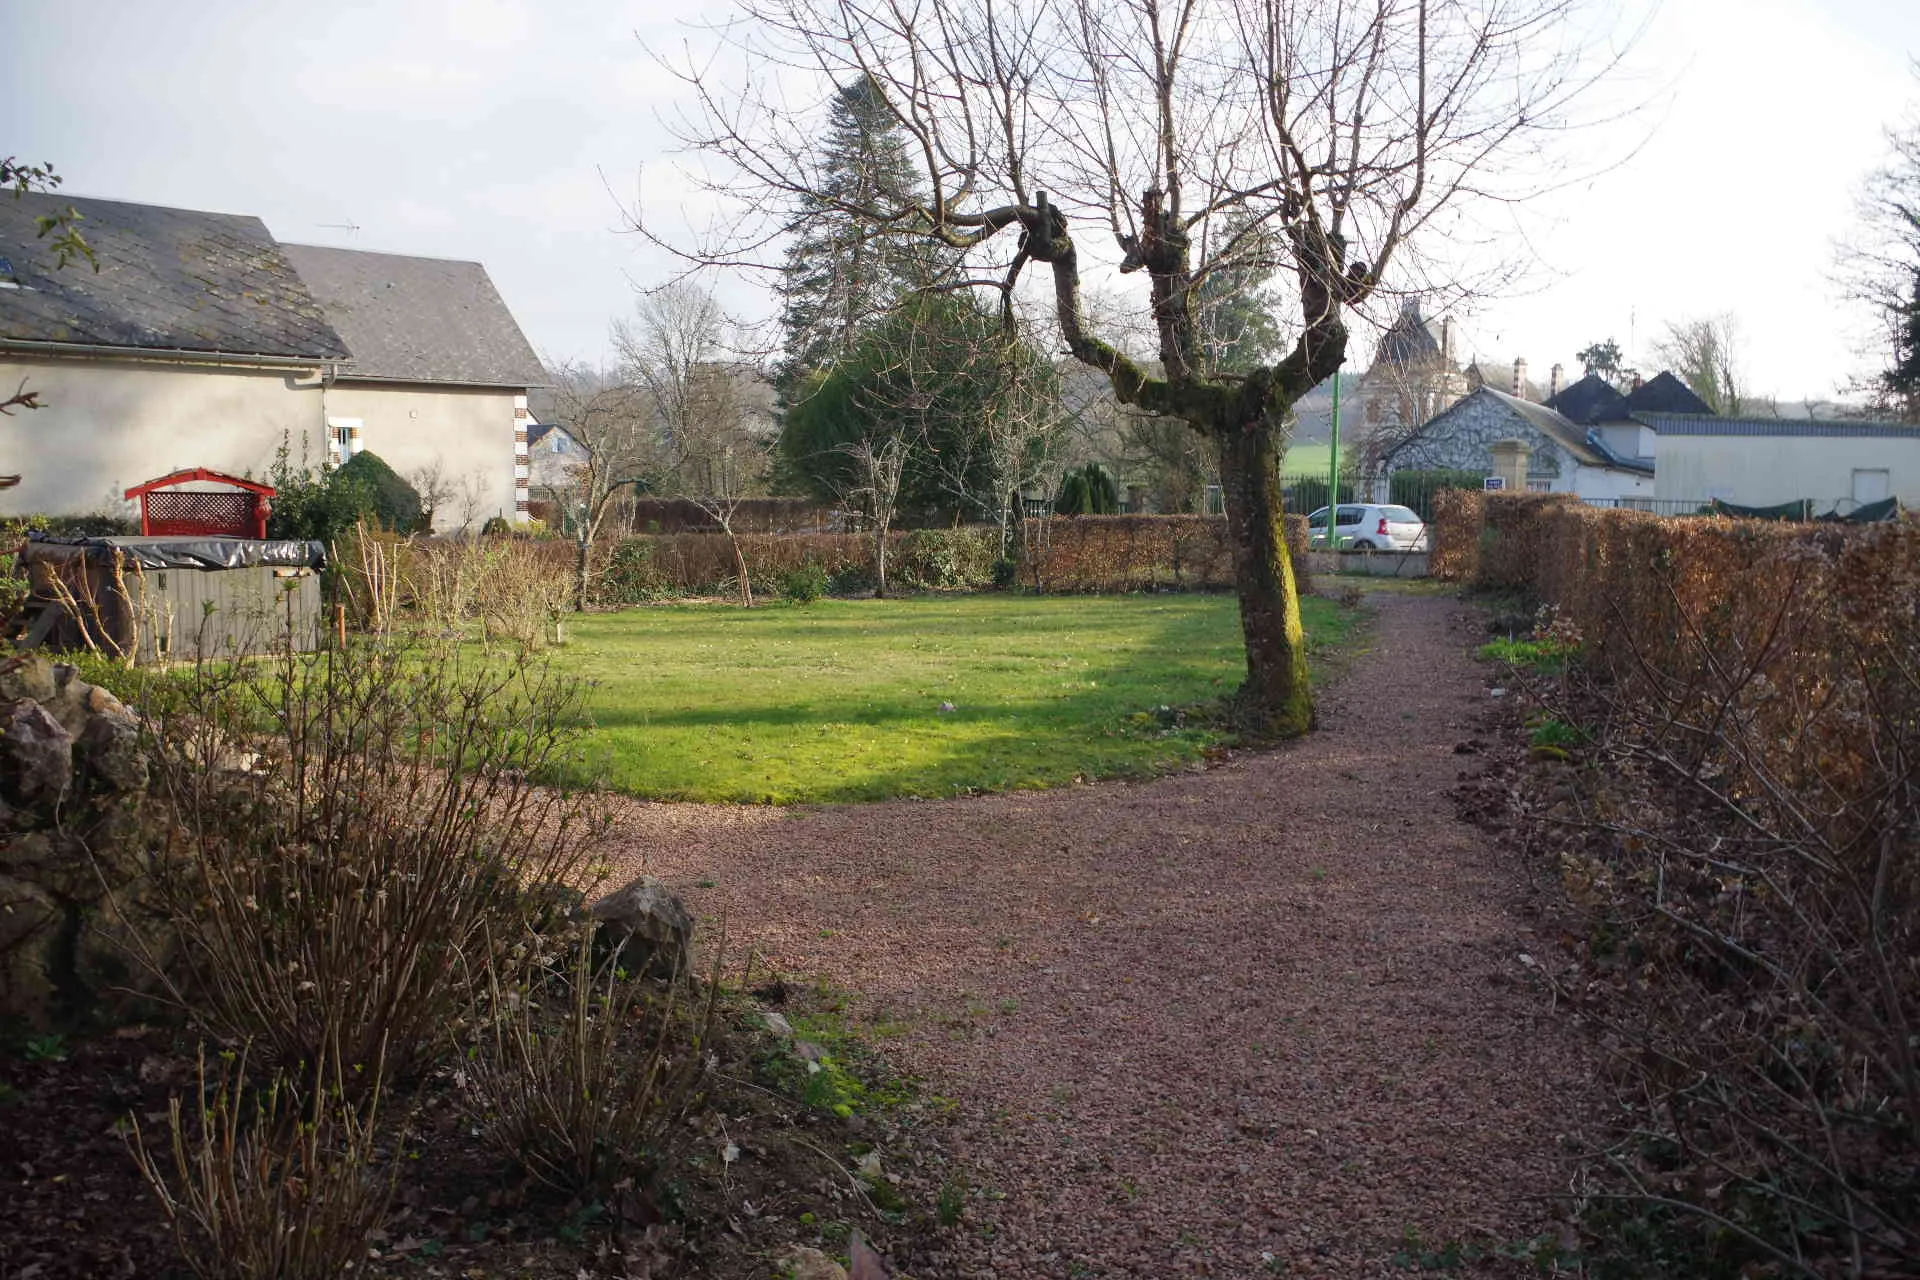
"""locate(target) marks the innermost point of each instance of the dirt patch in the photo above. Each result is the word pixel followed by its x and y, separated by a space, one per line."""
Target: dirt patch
pixel 1269 1017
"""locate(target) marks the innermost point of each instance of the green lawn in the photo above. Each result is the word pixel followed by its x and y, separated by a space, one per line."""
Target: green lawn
pixel 841 700
pixel 1309 460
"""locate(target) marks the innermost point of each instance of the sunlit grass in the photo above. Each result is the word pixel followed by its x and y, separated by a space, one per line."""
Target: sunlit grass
pixel 843 700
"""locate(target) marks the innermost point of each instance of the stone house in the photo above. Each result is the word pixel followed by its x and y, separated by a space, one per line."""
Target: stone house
pixel 1565 457
pixel 201 341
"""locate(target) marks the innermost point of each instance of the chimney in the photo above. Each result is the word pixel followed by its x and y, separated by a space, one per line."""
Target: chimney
pixel 1554 382
pixel 1520 377
pixel 1446 343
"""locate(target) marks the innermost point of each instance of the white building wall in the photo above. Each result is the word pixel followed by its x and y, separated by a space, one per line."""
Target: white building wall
pixel 1761 471
pixel 1606 485
pixel 108 425
pixel 468 433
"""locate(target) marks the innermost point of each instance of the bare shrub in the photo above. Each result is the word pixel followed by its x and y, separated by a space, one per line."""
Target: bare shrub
pixel 353 832
pixel 583 1077
pixel 1751 873
pixel 276 1183
pixel 520 598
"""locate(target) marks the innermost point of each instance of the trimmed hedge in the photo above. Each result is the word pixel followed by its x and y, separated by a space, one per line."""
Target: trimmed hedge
pixel 1083 554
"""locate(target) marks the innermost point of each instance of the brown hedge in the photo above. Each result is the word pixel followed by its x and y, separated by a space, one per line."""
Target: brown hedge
pixel 1769 674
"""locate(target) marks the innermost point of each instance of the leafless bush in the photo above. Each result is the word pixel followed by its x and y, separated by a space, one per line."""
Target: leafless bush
pixel 277 1183
pixel 354 831
pixel 1766 892
pixel 520 598
pixel 588 1091
pixel 447 579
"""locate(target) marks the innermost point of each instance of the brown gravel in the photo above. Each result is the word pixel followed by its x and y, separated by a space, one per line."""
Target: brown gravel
pixel 1267 1018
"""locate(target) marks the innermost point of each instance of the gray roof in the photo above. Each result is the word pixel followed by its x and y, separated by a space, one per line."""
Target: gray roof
pixel 169 279
pixel 418 319
pixel 1686 424
pixel 1499 376
pixel 1410 339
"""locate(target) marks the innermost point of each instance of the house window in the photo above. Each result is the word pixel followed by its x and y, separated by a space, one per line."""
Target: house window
pixel 1539 486
pixel 559 443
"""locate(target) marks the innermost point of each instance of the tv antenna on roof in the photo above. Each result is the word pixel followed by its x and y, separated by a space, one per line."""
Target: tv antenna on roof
pixel 349 227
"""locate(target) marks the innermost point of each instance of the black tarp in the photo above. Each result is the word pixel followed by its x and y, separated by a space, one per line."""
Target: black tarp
pixel 178 553
pixel 1868 512
pixel 1802 509
pixel 1798 509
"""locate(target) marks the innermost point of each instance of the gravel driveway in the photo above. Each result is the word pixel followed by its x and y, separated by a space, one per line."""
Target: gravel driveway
pixel 1267 1018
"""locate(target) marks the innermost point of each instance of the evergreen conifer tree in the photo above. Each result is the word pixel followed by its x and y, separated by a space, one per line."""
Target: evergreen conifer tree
pixel 841 272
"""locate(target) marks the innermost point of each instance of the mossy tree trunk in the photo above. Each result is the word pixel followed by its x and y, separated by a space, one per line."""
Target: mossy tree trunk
pixel 1247 418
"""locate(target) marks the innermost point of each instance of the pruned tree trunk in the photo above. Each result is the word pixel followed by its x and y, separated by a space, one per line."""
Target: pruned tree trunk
pixel 1276 699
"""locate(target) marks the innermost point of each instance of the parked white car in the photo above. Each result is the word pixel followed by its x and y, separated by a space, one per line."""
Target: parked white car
pixel 1365 526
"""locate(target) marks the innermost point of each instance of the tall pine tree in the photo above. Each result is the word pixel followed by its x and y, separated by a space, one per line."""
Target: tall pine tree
pixel 843 272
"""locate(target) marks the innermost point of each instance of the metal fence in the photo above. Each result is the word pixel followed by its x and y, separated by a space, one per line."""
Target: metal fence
pixel 1658 506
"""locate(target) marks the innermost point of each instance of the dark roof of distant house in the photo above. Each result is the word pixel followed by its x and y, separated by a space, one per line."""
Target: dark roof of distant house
pixel 1409 339
pixel 1665 393
pixel 169 280
pixel 418 319
pixel 539 429
pixel 1679 424
pixel 1590 400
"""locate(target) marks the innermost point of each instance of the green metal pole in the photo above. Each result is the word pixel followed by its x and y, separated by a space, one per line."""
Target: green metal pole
pixel 1333 471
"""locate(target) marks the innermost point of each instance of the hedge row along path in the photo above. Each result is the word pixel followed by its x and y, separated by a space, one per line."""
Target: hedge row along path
pixel 1269 1018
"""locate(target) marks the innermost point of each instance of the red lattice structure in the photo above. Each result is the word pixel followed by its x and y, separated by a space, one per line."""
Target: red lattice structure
pixel 169 511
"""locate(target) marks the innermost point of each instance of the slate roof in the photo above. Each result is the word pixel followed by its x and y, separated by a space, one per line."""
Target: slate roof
pixel 1665 393
pixel 169 279
pixel 1409 339
pixel 418 319
pixel 1675 424
pixel 1590 400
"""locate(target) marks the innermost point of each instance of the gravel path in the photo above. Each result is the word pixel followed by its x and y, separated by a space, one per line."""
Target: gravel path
pixel 1262 1019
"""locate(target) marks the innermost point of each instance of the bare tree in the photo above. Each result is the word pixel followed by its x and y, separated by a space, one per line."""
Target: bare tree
pixel 1701 353
pixel 675 352
pixel 1879 267
pixel 1340 131
pixel 878 469
pixel 612 422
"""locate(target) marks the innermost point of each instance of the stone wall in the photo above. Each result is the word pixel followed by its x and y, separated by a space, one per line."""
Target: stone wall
pixel 74 848
pixel 1461 439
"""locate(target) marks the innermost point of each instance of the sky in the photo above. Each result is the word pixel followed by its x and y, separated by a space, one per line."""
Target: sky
pixel 518 133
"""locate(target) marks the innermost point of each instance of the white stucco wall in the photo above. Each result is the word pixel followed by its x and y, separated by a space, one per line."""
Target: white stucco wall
pixel 469 433
pixel 1759 471
pixel 109 425
pixel 1607 485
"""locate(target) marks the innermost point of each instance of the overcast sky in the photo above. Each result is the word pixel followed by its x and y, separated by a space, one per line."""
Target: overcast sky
pixel 493 129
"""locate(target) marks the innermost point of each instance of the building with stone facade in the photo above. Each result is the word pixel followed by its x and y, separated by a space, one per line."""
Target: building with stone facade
pixel 1562 456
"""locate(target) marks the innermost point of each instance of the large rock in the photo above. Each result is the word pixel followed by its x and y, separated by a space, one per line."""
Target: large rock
pixel 29 677
pixel 108 753
pixel 31 924
pixel 650 927
pixel 36 755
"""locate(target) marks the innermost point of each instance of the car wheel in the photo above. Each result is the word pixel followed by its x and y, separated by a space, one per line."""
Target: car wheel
pixel 1363 545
